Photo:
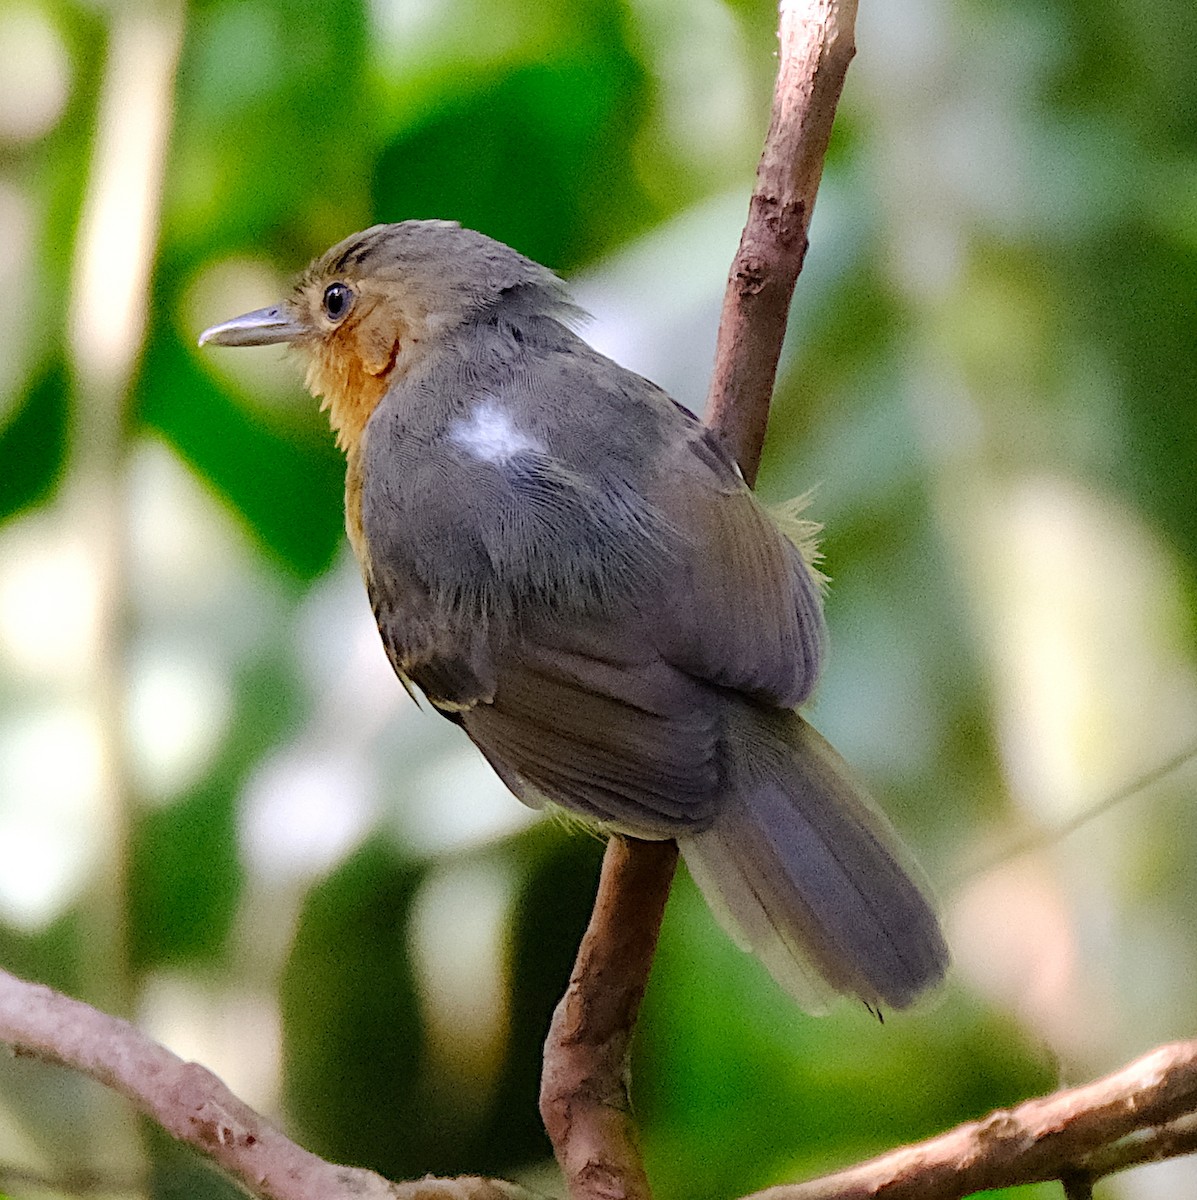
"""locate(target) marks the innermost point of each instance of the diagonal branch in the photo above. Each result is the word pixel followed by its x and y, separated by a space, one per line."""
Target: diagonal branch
pixel 191 1104
pixel 584 1091
pixel 1138 1114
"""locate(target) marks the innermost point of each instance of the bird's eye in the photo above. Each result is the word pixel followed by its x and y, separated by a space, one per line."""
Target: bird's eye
pixel 337 299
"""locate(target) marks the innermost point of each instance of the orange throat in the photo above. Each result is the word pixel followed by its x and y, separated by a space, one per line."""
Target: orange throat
pixel 349 389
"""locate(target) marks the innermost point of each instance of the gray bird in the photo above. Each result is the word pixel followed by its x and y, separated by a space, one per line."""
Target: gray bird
pixel 569 565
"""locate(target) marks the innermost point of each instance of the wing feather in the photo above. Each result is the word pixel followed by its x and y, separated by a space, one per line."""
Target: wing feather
pixel 629 741
pixel 744 610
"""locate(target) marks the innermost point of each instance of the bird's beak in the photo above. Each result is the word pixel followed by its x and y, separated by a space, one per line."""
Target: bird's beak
pixel 262 327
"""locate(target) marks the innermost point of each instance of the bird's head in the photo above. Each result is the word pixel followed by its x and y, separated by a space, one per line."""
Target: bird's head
pixel 372 306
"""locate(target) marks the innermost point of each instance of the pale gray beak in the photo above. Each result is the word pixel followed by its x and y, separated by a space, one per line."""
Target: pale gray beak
pixel 262 327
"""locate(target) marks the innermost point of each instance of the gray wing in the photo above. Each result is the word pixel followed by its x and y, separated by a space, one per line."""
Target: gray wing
pixel 743 609
pixel 621 717
pixel 581 604
pixel 452 666
pixel 606 729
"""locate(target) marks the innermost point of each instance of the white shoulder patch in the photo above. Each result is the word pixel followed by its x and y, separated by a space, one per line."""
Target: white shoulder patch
pixel 489 433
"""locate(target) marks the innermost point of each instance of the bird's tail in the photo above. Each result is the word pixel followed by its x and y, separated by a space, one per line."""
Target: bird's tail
pixel 802 869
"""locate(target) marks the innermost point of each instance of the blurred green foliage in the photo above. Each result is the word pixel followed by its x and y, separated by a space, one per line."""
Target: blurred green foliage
pixel 555 127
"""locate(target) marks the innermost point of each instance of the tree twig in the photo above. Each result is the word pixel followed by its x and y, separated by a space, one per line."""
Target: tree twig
pixel 817 42
pixel 584 1093
pixel 1068 1135
pixel 191 1104
pixel 1040 838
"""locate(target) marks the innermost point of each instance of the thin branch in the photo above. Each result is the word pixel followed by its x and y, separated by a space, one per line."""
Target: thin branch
pixel 584 1096
pixel 1057 833
pixel 816 45
pixel 1064 1136
pixel 1160 1142
pixel 584 1091
pixel 191 1104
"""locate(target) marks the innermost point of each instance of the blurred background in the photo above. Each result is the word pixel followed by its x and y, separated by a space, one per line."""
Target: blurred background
pixel 222 817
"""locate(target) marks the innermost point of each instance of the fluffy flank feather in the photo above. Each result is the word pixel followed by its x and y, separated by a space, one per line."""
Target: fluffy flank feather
pixel 801 532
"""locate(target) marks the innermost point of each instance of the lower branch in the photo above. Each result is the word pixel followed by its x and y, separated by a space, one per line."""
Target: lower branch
pixel 1143 1113
pixel 191 1104
pixel 1073 1136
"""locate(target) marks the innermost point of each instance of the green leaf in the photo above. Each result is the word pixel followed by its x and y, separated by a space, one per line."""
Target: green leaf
pixel 273 105
pixel 34 441
pixel 351 1019
pixel 540 157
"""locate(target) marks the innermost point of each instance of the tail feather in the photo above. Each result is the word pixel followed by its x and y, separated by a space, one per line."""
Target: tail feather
pixel 803 869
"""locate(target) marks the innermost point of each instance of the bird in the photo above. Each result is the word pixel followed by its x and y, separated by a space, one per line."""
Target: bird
pixel 570 566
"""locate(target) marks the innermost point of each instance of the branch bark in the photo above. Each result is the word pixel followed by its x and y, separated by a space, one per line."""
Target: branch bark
pixel 1145 1112
pixel 1142 1113
pixel 584 1092
pixel 191 1104
pixel 817 42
